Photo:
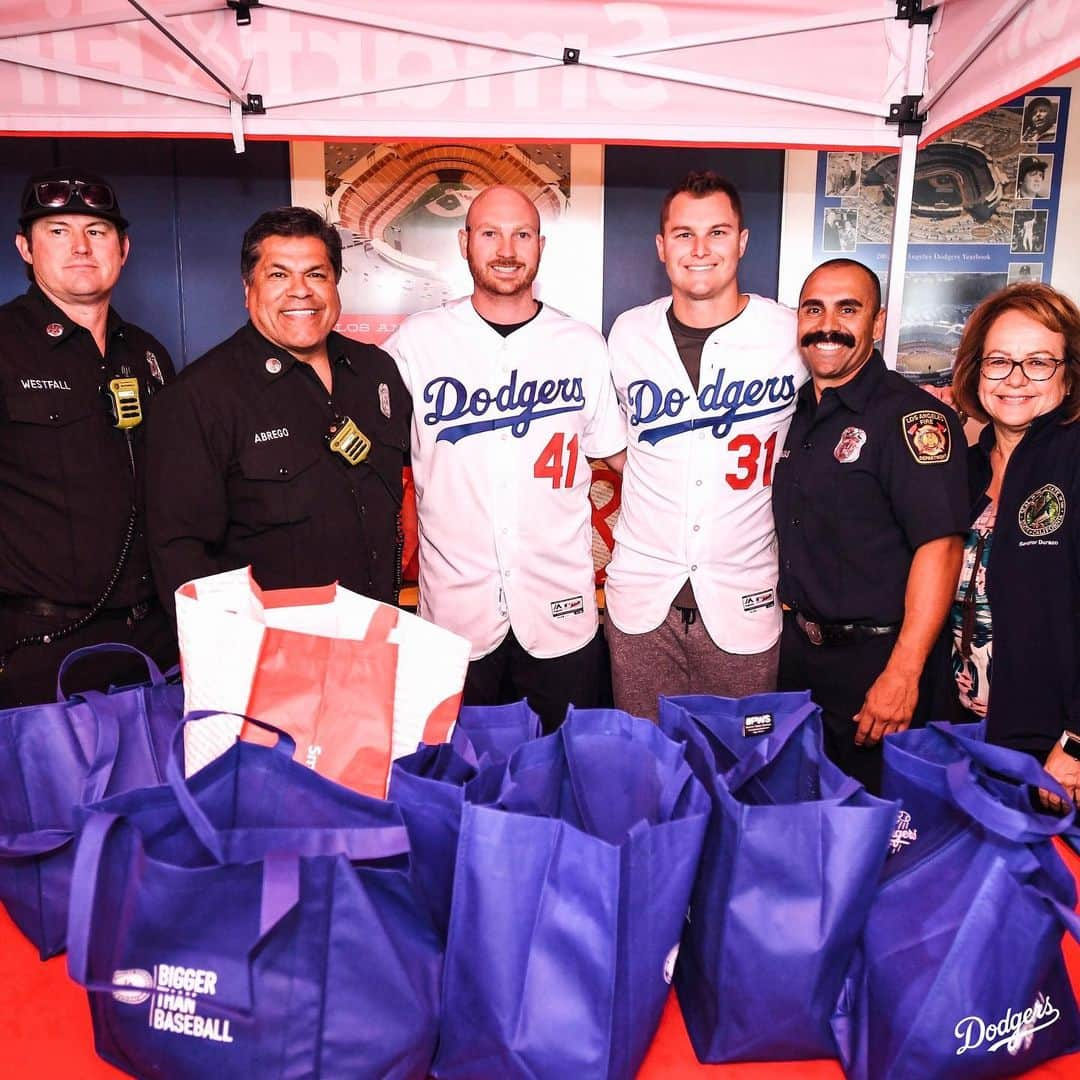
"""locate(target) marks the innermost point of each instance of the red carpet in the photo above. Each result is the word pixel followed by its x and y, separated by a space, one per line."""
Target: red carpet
pixel 45 1026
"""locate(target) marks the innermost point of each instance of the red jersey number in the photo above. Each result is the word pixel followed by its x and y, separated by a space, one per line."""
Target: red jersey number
pixel 549 465
pixel 750 452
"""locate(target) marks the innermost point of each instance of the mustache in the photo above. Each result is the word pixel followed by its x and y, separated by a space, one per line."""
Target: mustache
pixel 827 337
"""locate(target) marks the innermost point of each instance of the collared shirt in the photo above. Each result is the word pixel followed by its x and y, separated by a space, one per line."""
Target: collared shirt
pixel 699 467
pixel 67 479
pixel 873 471
pixel 501 431
pixel 240 471
pixel 1033 584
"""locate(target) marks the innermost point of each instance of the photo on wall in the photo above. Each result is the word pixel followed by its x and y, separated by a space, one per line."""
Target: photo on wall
pixel 984 211
pixel 399 208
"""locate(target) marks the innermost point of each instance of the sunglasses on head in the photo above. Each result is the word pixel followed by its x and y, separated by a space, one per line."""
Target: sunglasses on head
pixel 54 194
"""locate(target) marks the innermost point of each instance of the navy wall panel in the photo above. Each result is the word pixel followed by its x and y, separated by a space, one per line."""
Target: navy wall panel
pixel 636 179
pixel 189 201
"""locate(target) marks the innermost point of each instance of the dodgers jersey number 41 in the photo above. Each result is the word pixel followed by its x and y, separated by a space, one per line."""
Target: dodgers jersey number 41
pixel 697 484
pixel 502 429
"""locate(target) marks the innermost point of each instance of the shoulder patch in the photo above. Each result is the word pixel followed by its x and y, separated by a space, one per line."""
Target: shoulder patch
pixel 927 435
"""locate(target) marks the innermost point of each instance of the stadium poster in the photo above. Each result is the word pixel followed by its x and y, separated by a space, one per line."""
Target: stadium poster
pixel 399 207
pixel 985 213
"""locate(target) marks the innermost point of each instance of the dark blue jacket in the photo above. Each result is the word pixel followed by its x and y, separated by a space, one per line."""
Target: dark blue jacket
pixel 1033 584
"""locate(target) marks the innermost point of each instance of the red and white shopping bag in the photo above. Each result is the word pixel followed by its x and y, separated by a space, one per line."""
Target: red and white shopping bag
pixel 356 682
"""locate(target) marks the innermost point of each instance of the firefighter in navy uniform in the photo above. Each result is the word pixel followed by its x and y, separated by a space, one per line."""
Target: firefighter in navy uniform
pixel 76 383
pixel 282 448
pixel 870 505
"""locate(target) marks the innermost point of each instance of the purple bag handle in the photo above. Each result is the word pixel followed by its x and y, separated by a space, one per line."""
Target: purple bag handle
pixel 669 794
pixel 156 678
pixel 371 843
pixel 1026 827
pixel 46 841
pixel 975 800
pixel 280 894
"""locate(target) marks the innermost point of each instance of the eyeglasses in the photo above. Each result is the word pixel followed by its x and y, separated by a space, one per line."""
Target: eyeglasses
pixel 1037 368
pixel 53 194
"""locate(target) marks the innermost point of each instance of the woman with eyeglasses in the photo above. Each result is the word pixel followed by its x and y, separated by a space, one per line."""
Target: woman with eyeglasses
pixel 1016 619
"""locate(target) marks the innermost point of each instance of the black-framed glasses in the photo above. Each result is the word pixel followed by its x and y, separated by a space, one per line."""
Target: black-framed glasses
pixel 54 194
pixel 1036 368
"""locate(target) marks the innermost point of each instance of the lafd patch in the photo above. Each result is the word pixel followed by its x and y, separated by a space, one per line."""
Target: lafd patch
pixel 927 436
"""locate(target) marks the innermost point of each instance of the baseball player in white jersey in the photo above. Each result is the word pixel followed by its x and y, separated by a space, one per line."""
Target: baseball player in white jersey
pixel 707 379
pixel 511 398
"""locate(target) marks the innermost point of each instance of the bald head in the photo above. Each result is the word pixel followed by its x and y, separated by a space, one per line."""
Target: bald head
pixel 502 243
pixel 500 205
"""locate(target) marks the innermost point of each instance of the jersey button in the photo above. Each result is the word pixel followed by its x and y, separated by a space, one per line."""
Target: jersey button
pixel 283 471
pixel 697 483
pixel 808 445
pixel 697 528
pixel 694 566
pixel 795 521
pixel 54 416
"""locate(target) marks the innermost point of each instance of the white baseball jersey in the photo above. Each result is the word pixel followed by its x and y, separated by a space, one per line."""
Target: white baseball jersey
pixel 696 496
pixel 501 431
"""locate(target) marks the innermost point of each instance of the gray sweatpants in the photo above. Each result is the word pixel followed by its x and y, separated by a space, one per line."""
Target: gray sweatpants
pixel 677 658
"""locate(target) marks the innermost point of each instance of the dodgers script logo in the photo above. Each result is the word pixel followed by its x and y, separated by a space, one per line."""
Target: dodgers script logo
pixel 515 405
pixel 1014 1031
pixel 729 403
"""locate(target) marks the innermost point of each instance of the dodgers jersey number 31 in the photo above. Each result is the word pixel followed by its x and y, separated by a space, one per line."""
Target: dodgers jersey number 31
pixel 501 432
pixel 698 479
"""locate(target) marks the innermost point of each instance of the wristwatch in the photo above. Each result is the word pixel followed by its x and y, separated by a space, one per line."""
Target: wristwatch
pixel 1070 743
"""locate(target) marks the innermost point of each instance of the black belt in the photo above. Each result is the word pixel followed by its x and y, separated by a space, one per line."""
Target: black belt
pixel 823 633
pixel 46 609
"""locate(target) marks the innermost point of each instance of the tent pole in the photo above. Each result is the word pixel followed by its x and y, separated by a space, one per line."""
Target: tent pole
pixel 905 180
pixel 910 127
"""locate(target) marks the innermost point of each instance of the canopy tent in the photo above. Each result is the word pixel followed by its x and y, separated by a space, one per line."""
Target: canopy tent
pixel 864 74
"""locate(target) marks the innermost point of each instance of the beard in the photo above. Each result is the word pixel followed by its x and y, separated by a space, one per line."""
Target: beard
pixel 485 278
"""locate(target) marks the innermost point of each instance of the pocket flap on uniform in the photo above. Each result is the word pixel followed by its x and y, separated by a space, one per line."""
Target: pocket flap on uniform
pixel 50 407
pixel 276 455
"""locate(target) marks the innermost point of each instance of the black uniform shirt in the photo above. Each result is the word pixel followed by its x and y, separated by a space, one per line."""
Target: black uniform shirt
pixel 1033 584
pixel 868 474
pixel 67 480
pixel 239 471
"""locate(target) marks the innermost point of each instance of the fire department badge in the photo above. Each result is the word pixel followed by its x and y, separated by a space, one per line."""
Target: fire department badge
pixel 927 436
pixel 1043 511
pixel 155 367
pixel 852 440
pixel 384 400
pixel 54 329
